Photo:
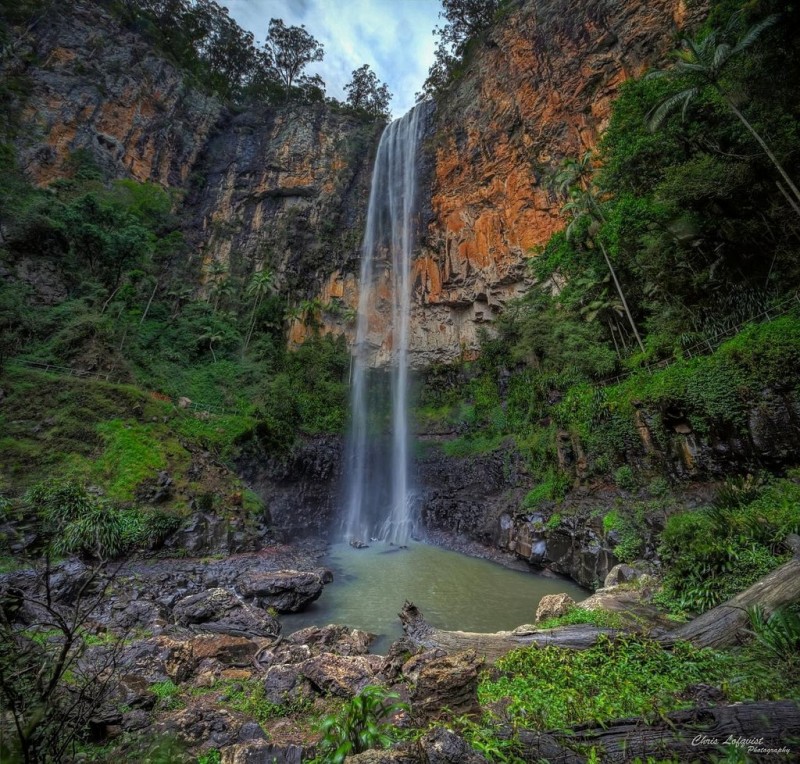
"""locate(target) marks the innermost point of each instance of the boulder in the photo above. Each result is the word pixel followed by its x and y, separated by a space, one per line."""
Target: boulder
pixel 341 675
pixel 341 640
pixel 204 723
pixel 442 746
pixel 449 682
pixel 262 752
pixel 620 574
pixel 222 611
pixel 403 754
pixel 288 591
pixel 286 684
pixel 158 659
pixel 553 606
pixel 225 648
pixel 415 664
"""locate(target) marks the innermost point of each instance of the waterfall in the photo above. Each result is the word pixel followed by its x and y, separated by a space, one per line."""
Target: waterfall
pixel 378 496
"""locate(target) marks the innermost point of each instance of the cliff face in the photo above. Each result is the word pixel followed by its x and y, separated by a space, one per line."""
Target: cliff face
pixel 91 85
pixel 287 187
pixel 538 91
pixel 281 186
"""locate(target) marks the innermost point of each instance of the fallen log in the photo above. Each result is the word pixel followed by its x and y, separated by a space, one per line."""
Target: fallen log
pixel 494 646
pixel 723 624
pixel 718 627
pixel 765 731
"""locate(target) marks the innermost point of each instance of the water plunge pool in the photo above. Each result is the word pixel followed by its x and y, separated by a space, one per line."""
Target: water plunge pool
pixel 453 591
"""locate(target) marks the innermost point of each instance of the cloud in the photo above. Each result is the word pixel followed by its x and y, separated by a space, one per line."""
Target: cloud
pixel 393 36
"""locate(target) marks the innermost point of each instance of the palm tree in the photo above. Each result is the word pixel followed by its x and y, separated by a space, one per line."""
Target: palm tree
pixel 574 179
pixel 702 63
pixel 220 291
pixel 260 285
pixel 210 335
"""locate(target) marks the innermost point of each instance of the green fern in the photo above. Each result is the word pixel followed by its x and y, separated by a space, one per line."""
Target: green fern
pixel 778 633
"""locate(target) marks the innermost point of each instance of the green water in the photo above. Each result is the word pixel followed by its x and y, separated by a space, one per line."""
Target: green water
pixel 452 591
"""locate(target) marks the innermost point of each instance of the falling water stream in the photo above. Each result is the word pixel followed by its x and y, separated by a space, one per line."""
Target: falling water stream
pixel 378 499
pixel 370 584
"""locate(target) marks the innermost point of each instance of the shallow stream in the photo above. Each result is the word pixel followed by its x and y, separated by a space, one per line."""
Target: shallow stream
pixel 453 591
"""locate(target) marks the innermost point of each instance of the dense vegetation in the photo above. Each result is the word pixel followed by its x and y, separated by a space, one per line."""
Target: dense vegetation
pixel 683 235
pixel 665 313
pixel 215 53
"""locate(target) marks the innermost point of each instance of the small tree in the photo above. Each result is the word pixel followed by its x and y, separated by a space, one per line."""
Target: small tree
pixel 365 91
pixel 289 50
pixel 260 285
pixel 574 179
pixel 50 684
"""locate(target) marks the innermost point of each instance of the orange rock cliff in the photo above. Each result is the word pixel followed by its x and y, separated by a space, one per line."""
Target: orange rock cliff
pixel 287 187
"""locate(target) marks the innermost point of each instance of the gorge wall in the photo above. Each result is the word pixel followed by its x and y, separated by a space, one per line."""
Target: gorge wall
pixel 537 90
pixel 286 187
pixel 283 187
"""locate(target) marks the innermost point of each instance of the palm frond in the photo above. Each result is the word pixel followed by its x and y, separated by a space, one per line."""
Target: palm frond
pixel 721 56
pixel 755 31
pixel 662 110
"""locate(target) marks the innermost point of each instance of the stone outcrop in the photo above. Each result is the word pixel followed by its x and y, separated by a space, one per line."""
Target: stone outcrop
pixel 288 591
pixel 553 606
pixel 283 186
pixel 221 611
pixel 539 90
pixel 300 488
pixel 449 682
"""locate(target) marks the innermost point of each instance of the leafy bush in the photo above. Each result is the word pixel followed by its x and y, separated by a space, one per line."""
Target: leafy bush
pixel 75 521
pixel 778 634
pixel 555 688
pixel 624 478
pixel 577 615
pixel 364 722
pixel 712 554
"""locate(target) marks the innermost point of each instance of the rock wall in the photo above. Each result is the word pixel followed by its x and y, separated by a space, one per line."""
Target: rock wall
pixel 300 489
pixel 539 89
pixel 283 187
pixel 92 85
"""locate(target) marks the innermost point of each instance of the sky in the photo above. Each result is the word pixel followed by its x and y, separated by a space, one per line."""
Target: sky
pixel 395 37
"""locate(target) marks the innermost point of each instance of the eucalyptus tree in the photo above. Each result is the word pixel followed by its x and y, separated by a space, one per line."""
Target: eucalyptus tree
pixel 289 50
pixel 702 63
pixel 365 91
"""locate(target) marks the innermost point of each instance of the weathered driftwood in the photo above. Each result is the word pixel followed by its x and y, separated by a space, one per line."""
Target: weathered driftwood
pixel 723 624
pixel 693 735
pixel 493 646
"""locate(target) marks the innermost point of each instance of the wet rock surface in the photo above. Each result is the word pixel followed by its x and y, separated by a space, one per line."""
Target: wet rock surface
pixel 222 611
pixel 288 591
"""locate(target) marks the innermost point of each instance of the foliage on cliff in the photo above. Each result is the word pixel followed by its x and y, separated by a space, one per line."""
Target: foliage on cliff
pixel 111 299
pixel 678 234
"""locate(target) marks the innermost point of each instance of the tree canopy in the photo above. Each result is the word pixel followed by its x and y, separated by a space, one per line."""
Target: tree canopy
pixel 290 50
pixel 365 91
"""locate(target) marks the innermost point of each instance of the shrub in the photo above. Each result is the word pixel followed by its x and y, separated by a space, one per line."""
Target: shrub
pixel 713 553
pixel 76 522
pixel 364 722
pixel 554 688
pixel 624 478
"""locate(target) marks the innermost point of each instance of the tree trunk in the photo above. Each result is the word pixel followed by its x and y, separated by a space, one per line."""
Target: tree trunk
pixel 494 646
pixel 149 303
pixel 697 734
pixel 720 626
pixel 723 624
pixel 764 146
pixel 621 295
